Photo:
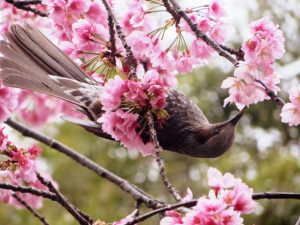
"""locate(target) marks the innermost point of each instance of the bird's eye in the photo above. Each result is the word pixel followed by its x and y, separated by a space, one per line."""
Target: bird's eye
pixel 216 131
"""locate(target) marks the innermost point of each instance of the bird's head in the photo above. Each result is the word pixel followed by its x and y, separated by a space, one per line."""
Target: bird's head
pixel 215 139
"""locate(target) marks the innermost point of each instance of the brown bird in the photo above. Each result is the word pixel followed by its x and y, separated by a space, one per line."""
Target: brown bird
pixel 30 61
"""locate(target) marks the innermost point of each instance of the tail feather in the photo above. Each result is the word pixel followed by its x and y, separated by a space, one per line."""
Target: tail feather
pixel 17 79
pixel 28 60
pixel 50 58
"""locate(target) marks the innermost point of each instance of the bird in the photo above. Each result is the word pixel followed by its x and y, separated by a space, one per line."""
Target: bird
pixel 29 60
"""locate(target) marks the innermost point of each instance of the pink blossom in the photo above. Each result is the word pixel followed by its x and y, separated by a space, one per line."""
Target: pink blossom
pixel 137 18
pixel 113 90
pixel 204 24
pixel 184 64
pixel 6 177
pixel 122 126
pixel 8 101
pixel 160 59
pixel 206 211
pixel 267 43
pixel 172 218
pixel 243 88
pixel 134 94
pixel 77 6
pixel 260 51
pixel 243 201
pixel 218 32
pixel 216 9
pixel 96 13
pixel 37 108
pixel 82 32
pixel 221 207
pixel 294 96
pixel 290 114
pixel 200 49
pixel 140 43
pixel 231 217
pixel 3 139
pixel 26 171
pixel 291 111
pixel 218 181
pixel 34 151
pixel 241 93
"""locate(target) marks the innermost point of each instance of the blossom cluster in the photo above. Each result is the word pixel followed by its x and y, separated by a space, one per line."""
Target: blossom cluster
pixel 228 199
pixel 125 103
pixel 260 52
pixel 19 168
pixel 77 22
pixel 159 55
pixel 10 15
pixel 82 29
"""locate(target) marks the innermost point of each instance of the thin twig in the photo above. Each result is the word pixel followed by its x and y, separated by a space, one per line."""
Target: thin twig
pixel 171 10
pixel 191 203
pixel 112 40
pixel 63 201
pixel 130 59
pixel 30 190
pixel 30 209
pixel 123 184
pixel 276 195
pixel 239 54
pixel 162 170
pixel 26 2
pixel 137 207
pixel 272 94
pixel 24 5
pixel 202 35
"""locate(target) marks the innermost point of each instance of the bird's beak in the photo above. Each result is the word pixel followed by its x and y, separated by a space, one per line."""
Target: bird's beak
pixel 237 117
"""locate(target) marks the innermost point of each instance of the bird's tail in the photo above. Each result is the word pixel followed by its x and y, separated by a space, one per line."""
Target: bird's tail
pixel 28 60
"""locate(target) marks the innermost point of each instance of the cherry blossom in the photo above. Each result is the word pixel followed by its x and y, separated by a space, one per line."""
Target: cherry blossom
pixel 123 101
pixel 226 202
pixel 216 9
pixel 8 101
pixel 260 52
pixel 291 111
pixel 19 168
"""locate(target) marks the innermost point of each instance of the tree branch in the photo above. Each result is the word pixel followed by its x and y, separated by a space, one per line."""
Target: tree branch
pixel 162 170
pixel 30 190
pixel 202 35
pixel 130 59
pixel 25 6
pixel 272 94
pixel 64 202
pixel 123 184
pixel 191 203
pixel 112 40
pixel 30 209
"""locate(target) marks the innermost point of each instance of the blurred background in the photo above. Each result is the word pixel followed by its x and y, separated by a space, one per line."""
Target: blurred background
pixel 265 154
